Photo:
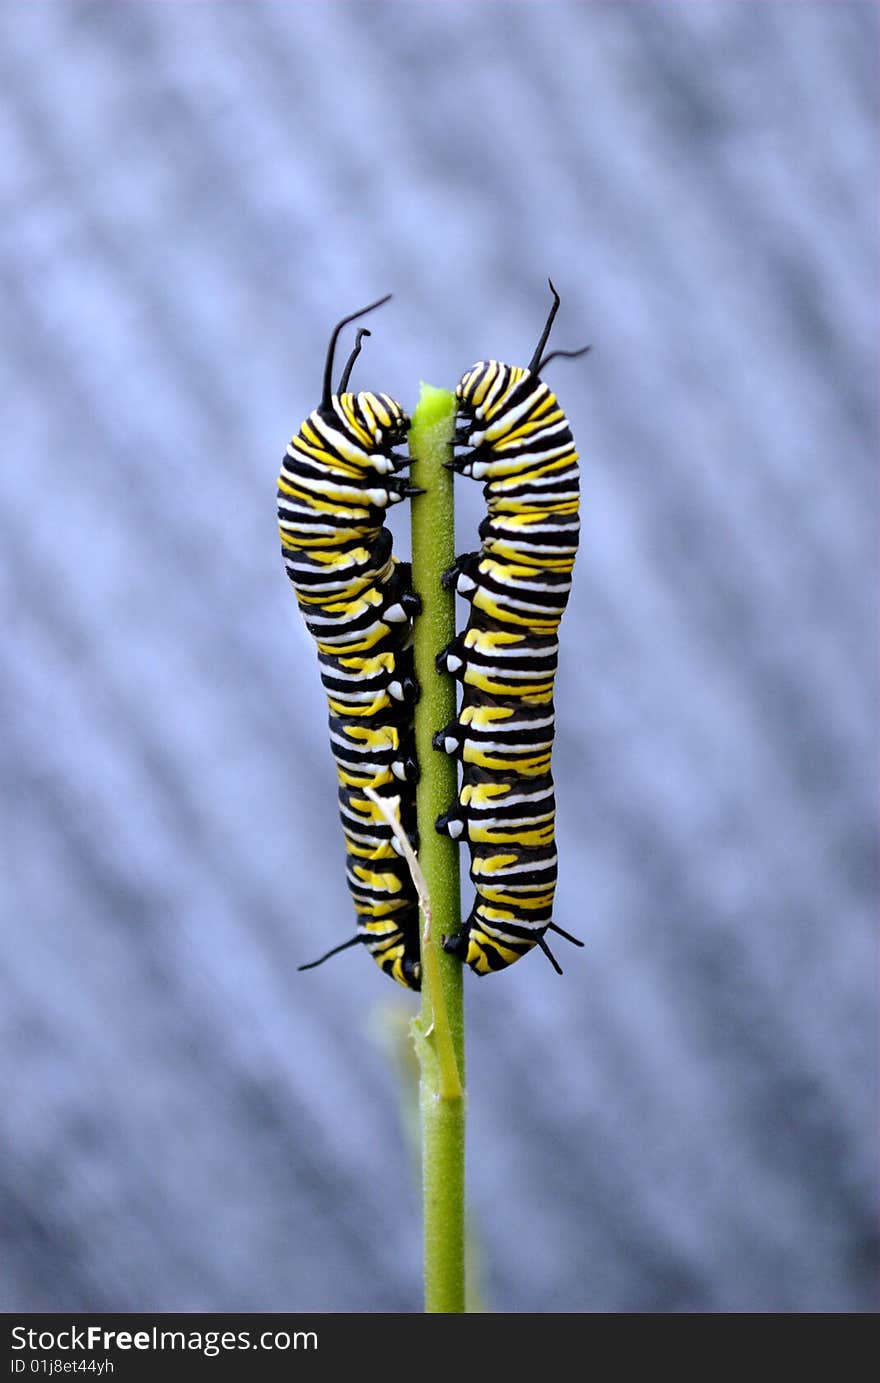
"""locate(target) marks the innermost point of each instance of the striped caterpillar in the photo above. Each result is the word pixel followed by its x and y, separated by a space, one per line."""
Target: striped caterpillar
pixel 337 479
pixel 520 444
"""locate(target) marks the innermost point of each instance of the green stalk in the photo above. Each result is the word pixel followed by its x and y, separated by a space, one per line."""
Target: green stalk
pixel 439 1030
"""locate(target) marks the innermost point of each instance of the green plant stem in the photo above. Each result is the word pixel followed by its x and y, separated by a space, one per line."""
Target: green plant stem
pixel 439 1030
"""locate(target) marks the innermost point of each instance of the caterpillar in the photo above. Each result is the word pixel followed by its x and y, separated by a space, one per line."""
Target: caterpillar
pixel 520 444
pixel 337 479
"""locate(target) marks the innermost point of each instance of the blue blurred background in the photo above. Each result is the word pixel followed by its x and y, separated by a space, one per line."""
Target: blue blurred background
pixel 192 194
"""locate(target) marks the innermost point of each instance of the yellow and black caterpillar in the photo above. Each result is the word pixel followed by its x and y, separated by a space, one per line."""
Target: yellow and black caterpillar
pixel 519 442
pixel 337 479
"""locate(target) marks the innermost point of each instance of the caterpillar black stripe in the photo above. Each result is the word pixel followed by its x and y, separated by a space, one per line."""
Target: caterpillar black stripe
pixel 520 444
pixel 337 480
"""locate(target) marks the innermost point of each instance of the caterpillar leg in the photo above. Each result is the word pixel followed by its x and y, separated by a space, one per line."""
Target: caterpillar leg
pixel 406 765
pixel 412 603
pixel 463 463
pixel 448 740
pixel 399 489
pixel 401 604
pixel 456 945
pixel 484 954
pixel 405 689
pixel 407 770
pixel 401 584
pixel 451 658
pixel 412 973
pixel 451 823
pixel 399 462
pixel 451 578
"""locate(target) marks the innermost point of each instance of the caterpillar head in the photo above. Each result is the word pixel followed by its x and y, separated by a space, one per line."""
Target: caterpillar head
pixel 492 397
pixel 384 419
pixel 372 424
pixel 379 416
pixel 485 389
pixel 367 428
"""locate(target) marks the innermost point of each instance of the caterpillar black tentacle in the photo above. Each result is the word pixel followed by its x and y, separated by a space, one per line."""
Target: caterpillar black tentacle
pixel 575 941
pixel 517 586
pixel 334 951
pixel 542 942
pixel 337 479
